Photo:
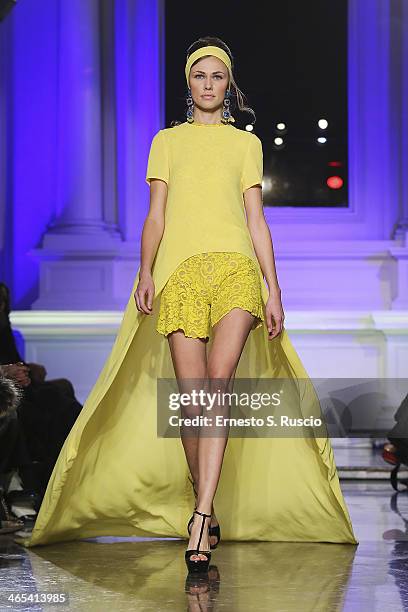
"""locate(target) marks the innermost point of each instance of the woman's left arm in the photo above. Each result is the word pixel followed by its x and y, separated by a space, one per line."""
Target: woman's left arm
pixel 262 241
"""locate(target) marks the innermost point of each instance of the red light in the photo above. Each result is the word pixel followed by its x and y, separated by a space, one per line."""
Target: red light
pixel 335 182
pixel 335 164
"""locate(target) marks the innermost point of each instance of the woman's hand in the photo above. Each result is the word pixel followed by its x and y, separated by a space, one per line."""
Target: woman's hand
pixel 19 372
pixel 274 314
pixel 144 294
pixel 37 372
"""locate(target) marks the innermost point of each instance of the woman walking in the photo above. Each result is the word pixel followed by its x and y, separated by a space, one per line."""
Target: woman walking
pixel 202 312
pixel 211 164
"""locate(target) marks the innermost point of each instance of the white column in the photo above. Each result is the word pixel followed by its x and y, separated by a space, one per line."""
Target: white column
pixel 79 174
pixel 81 263
pixel 110 105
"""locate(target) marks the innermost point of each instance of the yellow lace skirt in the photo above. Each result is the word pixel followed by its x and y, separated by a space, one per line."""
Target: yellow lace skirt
pixel 204 288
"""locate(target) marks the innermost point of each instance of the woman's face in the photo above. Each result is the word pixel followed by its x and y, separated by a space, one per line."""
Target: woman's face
pixel 208 76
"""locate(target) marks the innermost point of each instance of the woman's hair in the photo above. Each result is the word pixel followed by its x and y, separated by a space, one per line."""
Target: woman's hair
pixel 237 96
pixel 10 396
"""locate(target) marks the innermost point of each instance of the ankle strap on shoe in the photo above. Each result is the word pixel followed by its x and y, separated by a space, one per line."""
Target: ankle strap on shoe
pixel 202 513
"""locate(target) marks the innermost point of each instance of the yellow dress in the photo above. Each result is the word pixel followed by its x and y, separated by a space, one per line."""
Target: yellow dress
pixel 114 475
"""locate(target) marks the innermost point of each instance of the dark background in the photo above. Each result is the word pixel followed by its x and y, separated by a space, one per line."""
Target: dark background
pixel 291 63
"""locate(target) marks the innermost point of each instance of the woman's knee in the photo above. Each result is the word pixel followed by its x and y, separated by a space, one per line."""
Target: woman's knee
pixel 219 374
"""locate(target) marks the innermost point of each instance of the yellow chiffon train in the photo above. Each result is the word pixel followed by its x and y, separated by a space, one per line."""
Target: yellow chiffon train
pixel 115 476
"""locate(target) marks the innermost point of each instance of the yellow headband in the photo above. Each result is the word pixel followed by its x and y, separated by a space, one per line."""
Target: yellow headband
pixel 210 50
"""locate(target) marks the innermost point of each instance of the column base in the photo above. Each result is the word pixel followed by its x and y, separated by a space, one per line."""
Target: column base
pixel 401 255
pixel 81 273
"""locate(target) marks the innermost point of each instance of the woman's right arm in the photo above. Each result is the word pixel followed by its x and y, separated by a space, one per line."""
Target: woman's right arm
pixel 152 233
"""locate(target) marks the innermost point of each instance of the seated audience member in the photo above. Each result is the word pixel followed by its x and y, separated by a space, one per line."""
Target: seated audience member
pixel 10 450
pixel 48 408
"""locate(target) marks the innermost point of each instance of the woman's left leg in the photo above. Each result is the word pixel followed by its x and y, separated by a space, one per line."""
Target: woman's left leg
pixel 230 335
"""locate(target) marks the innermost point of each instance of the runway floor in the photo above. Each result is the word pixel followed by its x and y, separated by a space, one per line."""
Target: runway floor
pixel 118 574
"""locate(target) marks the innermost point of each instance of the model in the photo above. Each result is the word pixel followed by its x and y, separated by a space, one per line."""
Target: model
pixel 199 310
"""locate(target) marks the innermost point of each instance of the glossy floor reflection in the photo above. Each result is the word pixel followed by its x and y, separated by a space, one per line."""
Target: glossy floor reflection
pixel 144 574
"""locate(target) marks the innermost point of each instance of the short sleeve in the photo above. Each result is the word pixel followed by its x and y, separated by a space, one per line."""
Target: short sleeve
pixel 252 172
pixel 158 162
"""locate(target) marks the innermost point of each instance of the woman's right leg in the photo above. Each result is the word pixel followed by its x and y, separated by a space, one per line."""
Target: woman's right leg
pixel 190 363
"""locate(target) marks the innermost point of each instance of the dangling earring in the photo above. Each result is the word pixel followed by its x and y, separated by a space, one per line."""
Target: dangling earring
pixel 226 113
pixel 190 106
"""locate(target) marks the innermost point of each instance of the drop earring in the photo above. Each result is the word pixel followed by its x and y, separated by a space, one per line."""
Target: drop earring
pixel 190 106
pixel 226 113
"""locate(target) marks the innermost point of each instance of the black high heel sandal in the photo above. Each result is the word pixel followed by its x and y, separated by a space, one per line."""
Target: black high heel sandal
pixel 198 565
pixel 214 530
